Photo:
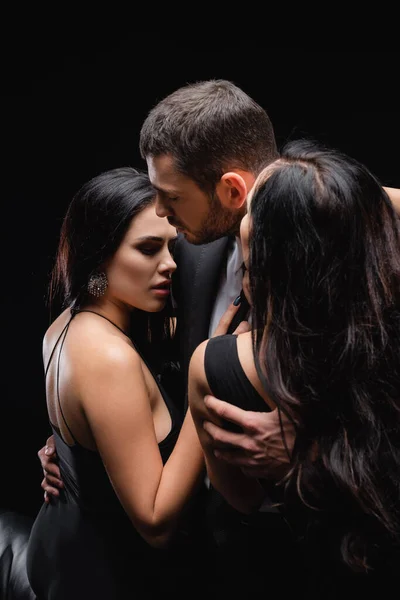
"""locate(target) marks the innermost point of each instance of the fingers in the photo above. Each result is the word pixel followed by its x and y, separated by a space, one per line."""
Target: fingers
pixel 49 491
pixel 48 452
pixel 222 437
pixel 237 444
pixel 52 476
pixel 227 411
pixel 50 445
pixel 48 464
pixel 225 320
pixel 53 480
pixel 252 423
pixel 243 327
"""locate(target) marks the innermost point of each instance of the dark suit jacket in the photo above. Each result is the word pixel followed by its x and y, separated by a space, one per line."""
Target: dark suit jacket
pixel 194 288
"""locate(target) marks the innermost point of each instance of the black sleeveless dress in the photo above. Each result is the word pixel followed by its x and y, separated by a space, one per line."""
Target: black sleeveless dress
pixel 83 545
pixel 251 550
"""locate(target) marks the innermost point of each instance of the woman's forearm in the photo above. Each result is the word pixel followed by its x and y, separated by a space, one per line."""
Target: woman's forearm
pixel 180 477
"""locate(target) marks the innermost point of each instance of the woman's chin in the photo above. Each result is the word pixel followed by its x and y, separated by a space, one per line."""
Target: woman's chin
pixel 156 307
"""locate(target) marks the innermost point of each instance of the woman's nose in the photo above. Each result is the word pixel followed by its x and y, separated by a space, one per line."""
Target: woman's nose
pixel 169 265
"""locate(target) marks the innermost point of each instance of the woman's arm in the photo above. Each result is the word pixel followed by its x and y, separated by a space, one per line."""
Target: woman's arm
pixel 243 493
pixel 117 407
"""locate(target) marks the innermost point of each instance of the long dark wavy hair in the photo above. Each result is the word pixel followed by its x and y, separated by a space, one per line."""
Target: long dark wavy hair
pixel 324 273
pixel 95 223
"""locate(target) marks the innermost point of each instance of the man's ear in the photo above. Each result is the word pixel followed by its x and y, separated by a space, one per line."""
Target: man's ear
pixel 233 187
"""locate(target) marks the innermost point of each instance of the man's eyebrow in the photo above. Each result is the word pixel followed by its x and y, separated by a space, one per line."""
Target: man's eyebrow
pixel 169 192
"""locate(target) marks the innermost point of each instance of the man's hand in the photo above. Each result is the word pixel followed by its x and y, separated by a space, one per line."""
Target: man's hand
pixel 260 450
pixel 52 478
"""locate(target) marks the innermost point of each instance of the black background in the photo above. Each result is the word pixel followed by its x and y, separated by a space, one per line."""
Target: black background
pixel 70 111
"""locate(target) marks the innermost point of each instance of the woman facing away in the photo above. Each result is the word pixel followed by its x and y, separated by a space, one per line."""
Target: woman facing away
pixel 128 463
pixel 322 249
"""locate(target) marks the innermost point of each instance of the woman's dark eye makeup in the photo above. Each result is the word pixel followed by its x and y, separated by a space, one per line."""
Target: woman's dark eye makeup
pixel 149 250
pixel 152 249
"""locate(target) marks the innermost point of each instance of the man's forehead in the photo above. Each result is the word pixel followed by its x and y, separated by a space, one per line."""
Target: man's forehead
pixel 163 175
pixel 161 168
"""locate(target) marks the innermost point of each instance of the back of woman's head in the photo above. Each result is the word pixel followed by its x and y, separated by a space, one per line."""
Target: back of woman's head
pixel 93 228
pixel 324 276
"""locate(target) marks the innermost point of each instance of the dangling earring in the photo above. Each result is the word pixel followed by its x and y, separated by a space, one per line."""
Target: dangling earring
pixel 97 284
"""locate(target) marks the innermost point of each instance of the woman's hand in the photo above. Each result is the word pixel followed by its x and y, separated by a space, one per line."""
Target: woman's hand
pixel 226 319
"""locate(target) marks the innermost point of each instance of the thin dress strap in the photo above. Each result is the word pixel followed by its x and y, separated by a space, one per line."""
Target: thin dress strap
pixel 55 346
pixel 75 311
pixel 64 331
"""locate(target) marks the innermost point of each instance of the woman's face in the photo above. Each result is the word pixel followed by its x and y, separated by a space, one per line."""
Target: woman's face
pixel 244 239
pixel 139 273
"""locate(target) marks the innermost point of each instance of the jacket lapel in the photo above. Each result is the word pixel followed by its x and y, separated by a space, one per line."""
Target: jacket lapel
pixel 196 284
pixel 205 289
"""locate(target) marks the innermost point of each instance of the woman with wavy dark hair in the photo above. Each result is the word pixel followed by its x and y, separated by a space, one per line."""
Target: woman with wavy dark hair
pixel 321 245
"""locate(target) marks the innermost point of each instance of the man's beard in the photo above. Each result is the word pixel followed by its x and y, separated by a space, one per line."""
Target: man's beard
pixel 220 221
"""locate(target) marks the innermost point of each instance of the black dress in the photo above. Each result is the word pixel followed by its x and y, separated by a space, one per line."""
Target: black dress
pixel 256 550
pixel 83 545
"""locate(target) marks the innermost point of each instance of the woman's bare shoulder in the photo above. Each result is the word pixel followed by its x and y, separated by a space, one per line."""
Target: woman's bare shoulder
pixel 55 330
pixel 91 342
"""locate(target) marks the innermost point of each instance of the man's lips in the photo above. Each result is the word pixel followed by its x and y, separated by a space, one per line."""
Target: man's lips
pixel 174 224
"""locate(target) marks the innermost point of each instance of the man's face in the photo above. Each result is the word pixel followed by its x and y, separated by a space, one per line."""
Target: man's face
pixel 199 216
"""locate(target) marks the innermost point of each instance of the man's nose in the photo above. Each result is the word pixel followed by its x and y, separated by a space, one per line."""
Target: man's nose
pixel 162 209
